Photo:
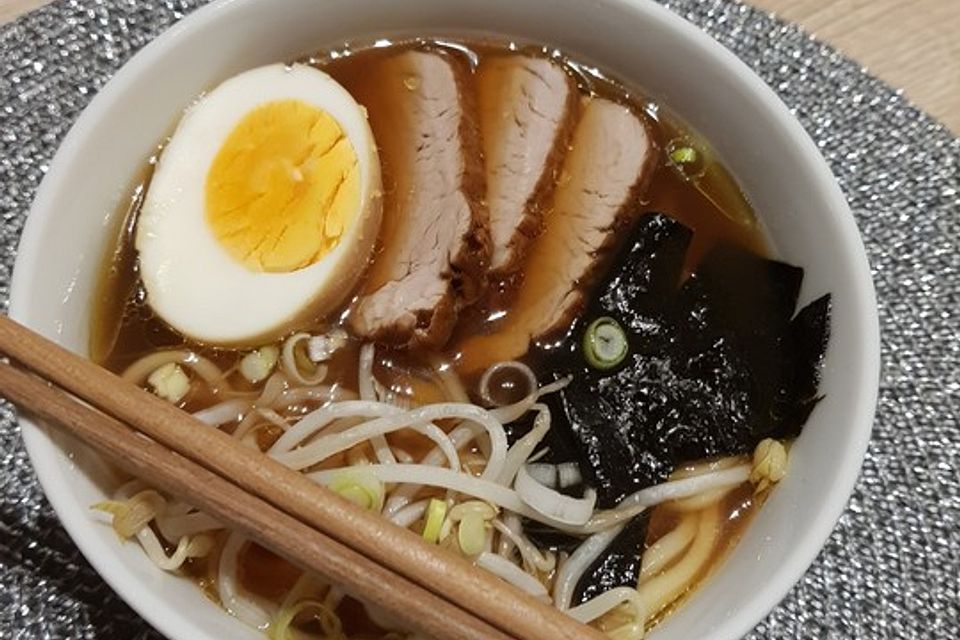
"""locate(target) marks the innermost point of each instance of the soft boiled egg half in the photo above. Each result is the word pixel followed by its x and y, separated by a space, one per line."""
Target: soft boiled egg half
pixel 263 208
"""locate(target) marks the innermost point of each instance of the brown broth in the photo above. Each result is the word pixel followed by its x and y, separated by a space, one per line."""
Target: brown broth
pixel 264 573
pixel 124 328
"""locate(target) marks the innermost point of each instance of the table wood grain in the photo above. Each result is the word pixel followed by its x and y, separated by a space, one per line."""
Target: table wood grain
pixel 912 44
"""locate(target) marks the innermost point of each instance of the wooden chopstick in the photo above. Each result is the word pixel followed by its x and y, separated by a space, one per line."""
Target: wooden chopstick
pixel 446 575
pixel 411 605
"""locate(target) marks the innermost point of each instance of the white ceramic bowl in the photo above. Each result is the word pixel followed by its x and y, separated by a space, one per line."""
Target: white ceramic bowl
pixel 800 205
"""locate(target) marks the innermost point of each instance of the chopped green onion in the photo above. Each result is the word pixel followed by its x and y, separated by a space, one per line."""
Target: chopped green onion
pixel 362 489
pixel 436 512
pixel 604 343
pixel 684 155
pixel 257 365
pixel 169 382
pixel 357 495
pixel 472 533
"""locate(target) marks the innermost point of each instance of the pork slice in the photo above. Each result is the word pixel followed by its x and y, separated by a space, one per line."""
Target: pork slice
pixel 609 165
pixel 434 235
pixel 526 108
pixel 608 168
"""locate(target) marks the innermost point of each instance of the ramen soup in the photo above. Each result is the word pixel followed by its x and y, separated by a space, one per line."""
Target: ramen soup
pixel 481 289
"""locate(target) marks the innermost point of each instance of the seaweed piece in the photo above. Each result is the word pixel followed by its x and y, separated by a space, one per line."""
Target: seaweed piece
pixel 744 293
pixel 618 566
pixel 716 363
pixel 629 429
pixel 797 394
pixel 655 253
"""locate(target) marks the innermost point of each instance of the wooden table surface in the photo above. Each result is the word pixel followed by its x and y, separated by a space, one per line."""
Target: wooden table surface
pixel 912 44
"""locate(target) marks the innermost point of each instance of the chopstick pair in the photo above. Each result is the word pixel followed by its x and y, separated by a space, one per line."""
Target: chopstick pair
pixel 424 588
pixel 231 505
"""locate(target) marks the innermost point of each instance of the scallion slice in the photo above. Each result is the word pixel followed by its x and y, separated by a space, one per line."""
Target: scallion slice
pixel 604 343
pixel 684 155
pixel 436 512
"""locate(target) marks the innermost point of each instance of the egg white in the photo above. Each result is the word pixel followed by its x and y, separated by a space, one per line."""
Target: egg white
pixel 191 281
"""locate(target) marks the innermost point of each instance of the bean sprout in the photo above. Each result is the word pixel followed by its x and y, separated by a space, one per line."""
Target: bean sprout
pixel 329 444
pixel 511 412
pixel 275 385
pixel 318 393
pixel 603 604
pixel 506 570
pixel 248 608
pixel 315 421
pixel 674 490
pixel 402 495
pixel 410 514
pixel 699 501
pixel 210 373
pixel 227 411
pixel 506 545
pixel 519 453
pixel 367 384
pixel 554 505
pixel 174 527
pixel 402 455
pixel 572 570
pixel 533 558
pixel 288 362
pixel 438 477
pixel 187 547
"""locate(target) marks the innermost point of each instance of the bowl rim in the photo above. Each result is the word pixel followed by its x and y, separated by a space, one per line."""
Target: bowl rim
pixel 43 452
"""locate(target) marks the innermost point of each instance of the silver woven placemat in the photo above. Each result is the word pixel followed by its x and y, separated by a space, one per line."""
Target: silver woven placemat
pixel 892 566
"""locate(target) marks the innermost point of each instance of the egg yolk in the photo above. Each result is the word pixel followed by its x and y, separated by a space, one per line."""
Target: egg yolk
pixel 283 188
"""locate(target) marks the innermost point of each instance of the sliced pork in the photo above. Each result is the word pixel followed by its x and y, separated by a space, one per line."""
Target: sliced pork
pixel 526 108
pixel 434 235
pixel 610 163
